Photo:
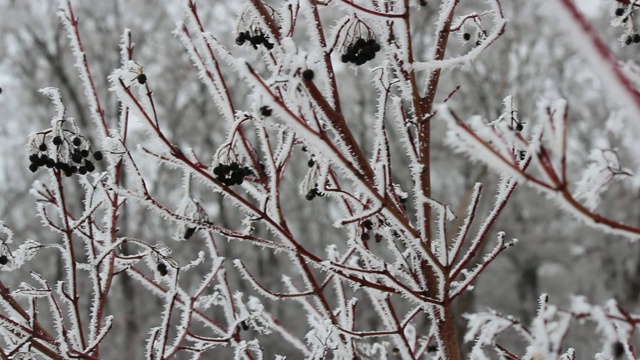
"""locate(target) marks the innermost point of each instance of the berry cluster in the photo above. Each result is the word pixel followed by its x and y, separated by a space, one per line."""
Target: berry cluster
pixel 367 230
pixel 232 174
pixel 482 35
pixel 635 38
pixel 366 226
pixel 255 39
pixel 76 158
pixel 162 269
pixel 361 51
pixel 631 38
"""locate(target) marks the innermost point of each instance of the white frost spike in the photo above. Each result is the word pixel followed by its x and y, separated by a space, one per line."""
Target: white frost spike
pixel 56 100
pixel 603 170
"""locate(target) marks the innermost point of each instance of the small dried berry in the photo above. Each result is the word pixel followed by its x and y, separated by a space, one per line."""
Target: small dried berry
pixel 244 325
pixel 51 163
pixel 189 233
pixel 77 141
pixel 629 40
pixel 82 170
pixel 636 38
pixel 310 163
pixel 466 36
pixel 519 127
pixel 33 167
pixel 265 111
pixel 619 11
pixel 42 147
pixel 311 194
pixel 33 158
pixel 57 140
pixel 76 158
pixel 142 79
pixel 84 153
pixel 4 259
pixel 365 237
pixel 308 75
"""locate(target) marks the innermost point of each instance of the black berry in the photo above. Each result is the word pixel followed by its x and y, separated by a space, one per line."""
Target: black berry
pixel 97 155
pixel 89 165
pixel 4 259
pixel 636 38
pixel 368 224
pixel 42 147
pixel 162 269
pixel 265 111
pixel 57 140
pixel 310 163
pixel 307 75
pixel 519 127
pixel 466 36
pixel 77 141
pixel 142 78
pixel 42 160
pixel 312 194
pixel 619 11
pixel 84 153
pixel 240 39
pixel 189 233
pixel 33 167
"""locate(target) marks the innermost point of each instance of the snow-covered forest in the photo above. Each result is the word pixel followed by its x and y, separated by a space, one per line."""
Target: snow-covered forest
pixel 306 179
